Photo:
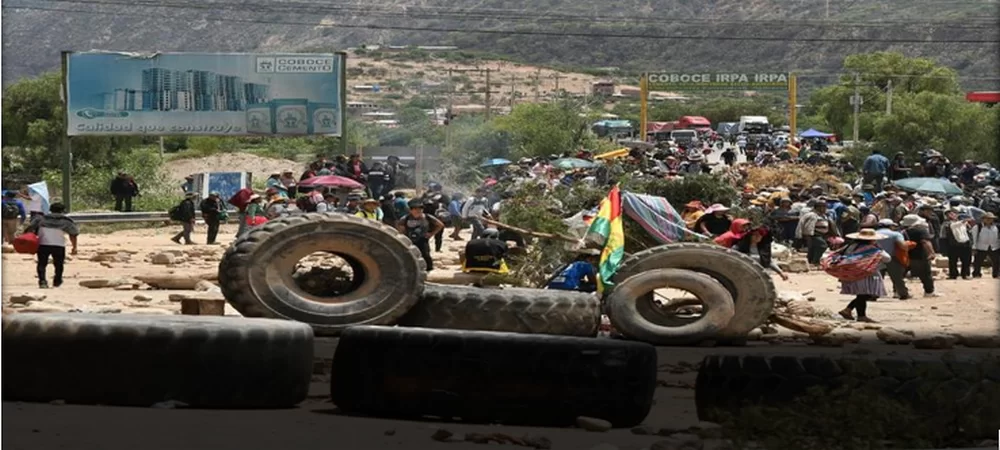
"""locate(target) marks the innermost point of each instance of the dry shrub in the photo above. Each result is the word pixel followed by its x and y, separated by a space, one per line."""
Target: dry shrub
pixel 790 174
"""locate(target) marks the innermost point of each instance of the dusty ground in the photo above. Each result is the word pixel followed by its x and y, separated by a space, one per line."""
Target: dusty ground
pixel 967 307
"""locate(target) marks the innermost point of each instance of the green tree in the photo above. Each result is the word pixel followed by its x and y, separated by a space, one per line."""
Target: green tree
pixel 543 129
pixel 948 123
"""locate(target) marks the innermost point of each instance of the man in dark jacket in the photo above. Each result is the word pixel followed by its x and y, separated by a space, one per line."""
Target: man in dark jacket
pixel 212 211
pixel 185 214
pixel 124 188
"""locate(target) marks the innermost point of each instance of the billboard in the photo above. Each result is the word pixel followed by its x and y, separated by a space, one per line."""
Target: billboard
pixel 675 82
pixel 221 94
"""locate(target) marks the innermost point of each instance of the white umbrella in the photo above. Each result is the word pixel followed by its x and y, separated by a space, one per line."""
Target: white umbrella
pixel 42 189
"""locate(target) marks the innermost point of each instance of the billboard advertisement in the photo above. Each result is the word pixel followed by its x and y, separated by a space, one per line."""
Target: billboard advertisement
pixel 220 94
pixel 678 82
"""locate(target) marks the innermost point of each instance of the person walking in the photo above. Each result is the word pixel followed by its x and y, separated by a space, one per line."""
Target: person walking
pixel 420 228
pixel 124 189
pixel 917 231
pixel 955 236
pixel 14 215
pixel 213 213
pixel 863 256
pixel 184 213
pixel 52 229
pixel 813 228
pixel 894 243
pixel 986 243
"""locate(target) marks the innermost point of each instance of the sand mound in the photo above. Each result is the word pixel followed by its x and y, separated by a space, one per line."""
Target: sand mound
pixel 260 166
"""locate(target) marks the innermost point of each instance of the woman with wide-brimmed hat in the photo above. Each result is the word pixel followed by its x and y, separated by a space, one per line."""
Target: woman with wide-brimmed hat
pixel 856 265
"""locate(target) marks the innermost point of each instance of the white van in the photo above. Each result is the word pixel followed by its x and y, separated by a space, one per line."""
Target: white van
pixel 754 125
pixel 683 137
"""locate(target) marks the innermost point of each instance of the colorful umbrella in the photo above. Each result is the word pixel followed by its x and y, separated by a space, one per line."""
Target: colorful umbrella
pixel 929 186
pixel 496 162
pixel 572 163
pixel 332 181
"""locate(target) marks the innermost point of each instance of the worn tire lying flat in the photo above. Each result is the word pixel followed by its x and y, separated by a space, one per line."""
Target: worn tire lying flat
pixel 537 311
pixel 953 396
pixel 486 377
pixel 630 308
pixel 141 360
pixel 256 272
pixel 748 283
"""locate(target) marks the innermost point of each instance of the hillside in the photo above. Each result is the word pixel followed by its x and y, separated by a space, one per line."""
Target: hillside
pixel 563 31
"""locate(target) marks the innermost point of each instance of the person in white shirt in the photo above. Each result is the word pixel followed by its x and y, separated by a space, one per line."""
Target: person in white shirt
pixel 986 243
pixel 52 229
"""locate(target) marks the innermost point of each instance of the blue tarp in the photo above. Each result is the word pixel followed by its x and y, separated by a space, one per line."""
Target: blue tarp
pixel 813 133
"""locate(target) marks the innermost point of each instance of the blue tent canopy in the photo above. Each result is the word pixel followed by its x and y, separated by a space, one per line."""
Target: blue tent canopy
pixel 813 133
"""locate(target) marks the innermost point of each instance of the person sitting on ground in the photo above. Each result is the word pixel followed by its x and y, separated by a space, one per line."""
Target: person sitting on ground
pixel 486 254
pixel 580 275
pixel 52 229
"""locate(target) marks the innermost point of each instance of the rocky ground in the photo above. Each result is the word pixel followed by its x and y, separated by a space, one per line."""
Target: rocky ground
pixel 141 271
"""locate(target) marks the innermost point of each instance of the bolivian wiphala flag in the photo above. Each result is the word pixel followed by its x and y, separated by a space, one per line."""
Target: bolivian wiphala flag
pixel 606 230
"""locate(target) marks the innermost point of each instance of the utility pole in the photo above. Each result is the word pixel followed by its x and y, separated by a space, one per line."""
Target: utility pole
pixel 856 101
pixel 489 105
pixel 888 98
pixel 557 77
pixel 512 91
pixel 538 87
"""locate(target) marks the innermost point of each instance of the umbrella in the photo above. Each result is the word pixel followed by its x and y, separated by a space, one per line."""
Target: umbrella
pixel 332 181
pixel 813 133
pixel 42 189
pixel 572 163
pixel 929 186
pixel 496 162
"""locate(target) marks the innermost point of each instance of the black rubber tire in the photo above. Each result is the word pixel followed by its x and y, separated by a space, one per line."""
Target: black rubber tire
pixel 747 282
pixel 630 308
pixel 141 360
pixel 958 396
pixel 490 377
pixel 515 310
pixel 256 272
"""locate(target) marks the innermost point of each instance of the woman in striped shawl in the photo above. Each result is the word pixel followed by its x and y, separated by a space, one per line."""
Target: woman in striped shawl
pixel 862 253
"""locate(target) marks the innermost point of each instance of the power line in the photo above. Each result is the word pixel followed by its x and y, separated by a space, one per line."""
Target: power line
pixel 581 34
pixel 439 13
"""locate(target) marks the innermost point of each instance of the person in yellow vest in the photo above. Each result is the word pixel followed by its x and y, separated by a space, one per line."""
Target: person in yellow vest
pixel 486 254
pixel 370 210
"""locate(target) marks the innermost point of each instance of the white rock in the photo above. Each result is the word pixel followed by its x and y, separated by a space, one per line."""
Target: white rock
pixel 935 342
pixel 25 298
pixel 206 286
pixel 894 336
pixel 163 258
pixel 780 252
pixel 593 424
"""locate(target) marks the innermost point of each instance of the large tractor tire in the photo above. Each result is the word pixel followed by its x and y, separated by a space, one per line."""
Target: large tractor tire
pixel 748 283
pixel 490 377
pixel 256 273
pixel 515 310
pixel 634 315
pixel 142 360
pixel 951 397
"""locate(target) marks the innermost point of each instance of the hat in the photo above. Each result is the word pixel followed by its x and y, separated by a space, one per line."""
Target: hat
pixel 886 223
pixel 989 215
pixel 253 197
pixel 910 220
pixel 784 200
pixel 866 234
pixel 370 200
pixel 696 157
pixel 718 207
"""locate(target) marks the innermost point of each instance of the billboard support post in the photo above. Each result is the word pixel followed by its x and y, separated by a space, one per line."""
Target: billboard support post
pixel 343 102
pixel 793 93
pixel 67 163
pixel 643 106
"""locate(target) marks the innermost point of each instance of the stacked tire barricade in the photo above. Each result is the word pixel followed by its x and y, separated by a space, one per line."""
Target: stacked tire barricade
pixel 410 348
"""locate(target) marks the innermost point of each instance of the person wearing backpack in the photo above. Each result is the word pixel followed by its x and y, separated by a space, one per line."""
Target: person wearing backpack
pixel 213 212
pixel 184 213
pixel 955 232
pixel 14 215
